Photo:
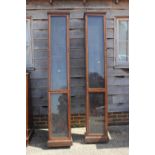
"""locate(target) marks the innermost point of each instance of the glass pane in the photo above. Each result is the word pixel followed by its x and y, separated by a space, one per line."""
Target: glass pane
pixel 96 124
pixel 123 50
pixel 96 52
pixel 123 41
pixel 58 53
pixel 123 30
pixel 59 115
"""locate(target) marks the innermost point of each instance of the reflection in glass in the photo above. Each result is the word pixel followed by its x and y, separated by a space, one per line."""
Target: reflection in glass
pixel 59 115
pixel 96 52
pixel 96 112
pixel 58 53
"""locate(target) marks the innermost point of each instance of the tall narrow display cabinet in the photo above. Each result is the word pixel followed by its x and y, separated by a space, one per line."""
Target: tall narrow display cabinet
pixel 96 78
pixel 58 80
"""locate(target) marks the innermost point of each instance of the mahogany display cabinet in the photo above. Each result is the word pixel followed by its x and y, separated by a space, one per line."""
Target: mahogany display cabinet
pixel 96 78
pixel 59 130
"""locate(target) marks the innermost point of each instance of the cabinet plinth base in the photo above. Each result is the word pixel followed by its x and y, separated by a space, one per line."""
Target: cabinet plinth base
pixel 96 139
pixel 60 143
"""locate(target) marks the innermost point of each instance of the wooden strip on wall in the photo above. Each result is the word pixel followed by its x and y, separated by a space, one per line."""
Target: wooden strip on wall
pixel 110 52
pixel 112 90
pixel 110 33
pixel 76 23
pixel 116 72
pixel 77 91
pixel 77 63
pixel 77 72
pixel 40 34
pixel 77 33
pixel 77 53
pixel 117 81
pixel 40 64
pixel 77 43
pixel 78 82
pixel 110 43
pixel 40 54
pixel 40 44
pixel 40 24
pixel 38 83
pixel 39 74
pixel 39 92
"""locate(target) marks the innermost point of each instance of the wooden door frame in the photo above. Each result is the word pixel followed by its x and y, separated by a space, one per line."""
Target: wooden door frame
pixel 94 137
pixel 59 141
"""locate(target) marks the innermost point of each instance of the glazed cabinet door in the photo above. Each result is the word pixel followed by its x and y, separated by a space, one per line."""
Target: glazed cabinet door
pixel 59 83
pixel 96 79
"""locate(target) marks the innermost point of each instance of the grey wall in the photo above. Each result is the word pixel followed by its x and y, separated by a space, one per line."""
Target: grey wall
pixel 118 79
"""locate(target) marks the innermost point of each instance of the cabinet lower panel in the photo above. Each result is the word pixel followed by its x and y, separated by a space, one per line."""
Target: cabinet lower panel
pixel 96 139
pixel 60 143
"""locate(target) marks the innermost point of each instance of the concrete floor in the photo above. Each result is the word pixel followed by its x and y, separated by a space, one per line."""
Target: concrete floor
pixel 118 145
